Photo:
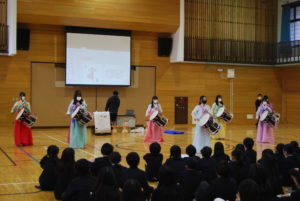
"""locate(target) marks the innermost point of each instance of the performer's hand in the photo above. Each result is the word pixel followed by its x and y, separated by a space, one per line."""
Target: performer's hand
pixel 77 103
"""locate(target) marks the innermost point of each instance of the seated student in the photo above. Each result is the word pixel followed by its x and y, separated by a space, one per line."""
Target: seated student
pixel 248 191
pixel 103 161
pixel 207 164
pixel 82 185
pixel 240 147
pixel 153 161
pixel 279 156
pixel 219 153
pixel 190 179
pixel 249 154
pixel 107 188
pixel 295 146
pixel 190 150
pixel 269 163
pixel 132 191
pixel 175 162
pixel 289 163
pixel 238 168
pixel 167 190
pixel 115 159
pixel 266 189
pixel 133 172
pixel 66 172
pixel 49 164
pixel 224 186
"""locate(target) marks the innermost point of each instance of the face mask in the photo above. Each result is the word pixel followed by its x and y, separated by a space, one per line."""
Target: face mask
pixel 220 99
pixel 78 98
pixel 155 101
pixel 23 98
pixel 265 103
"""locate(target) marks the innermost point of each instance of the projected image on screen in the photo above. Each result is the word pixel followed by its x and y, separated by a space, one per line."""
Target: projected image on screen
pixel 94 59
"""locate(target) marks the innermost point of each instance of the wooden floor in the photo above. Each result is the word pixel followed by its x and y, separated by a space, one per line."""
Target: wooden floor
pixel 19 166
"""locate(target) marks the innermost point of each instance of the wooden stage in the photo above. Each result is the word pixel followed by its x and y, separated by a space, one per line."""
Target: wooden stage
pixel 20 170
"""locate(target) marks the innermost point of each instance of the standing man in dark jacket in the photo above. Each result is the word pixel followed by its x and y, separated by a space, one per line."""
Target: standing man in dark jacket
pixel 112 106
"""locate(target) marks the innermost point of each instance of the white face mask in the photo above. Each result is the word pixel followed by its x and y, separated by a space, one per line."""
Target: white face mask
pixel 220 99
pixel 23 98
pixel 78 98
pixel 155 101
pixel 265 103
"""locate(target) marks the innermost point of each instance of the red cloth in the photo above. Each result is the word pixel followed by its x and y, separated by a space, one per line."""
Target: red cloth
pixel 154 133
pixel 23 135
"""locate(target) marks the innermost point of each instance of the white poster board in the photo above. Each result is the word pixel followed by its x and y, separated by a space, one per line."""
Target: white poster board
pixel 102 122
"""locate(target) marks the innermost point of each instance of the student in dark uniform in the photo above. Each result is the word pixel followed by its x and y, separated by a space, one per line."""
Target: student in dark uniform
pixel 153 161
pixel 175 162
pixel 49 164
pixel 133 172
pixel 103 161
pixel 112 106
pixel 115 159
pixel 207 164
pixel 219 153
pixel 190 179
pixel 250 154
pixel 224 186
pixel 80 187
pixel 66 172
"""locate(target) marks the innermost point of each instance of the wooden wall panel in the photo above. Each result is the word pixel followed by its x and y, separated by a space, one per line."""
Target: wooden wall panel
pixel 143 15
pixel 192 80
pixel 291 93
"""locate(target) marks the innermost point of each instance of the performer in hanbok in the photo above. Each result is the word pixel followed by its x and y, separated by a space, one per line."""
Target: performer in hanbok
pixel 215 107
pixel 264 131
pixel 202 136
pixel 77 132
pixel 22 133
pixel 154 133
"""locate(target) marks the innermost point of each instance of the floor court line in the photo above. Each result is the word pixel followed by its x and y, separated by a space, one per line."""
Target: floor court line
pixel 29 155
pixel 9 158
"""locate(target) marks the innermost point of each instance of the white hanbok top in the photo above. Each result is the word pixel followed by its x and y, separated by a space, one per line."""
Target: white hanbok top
pixel 156 107
pixel 198 112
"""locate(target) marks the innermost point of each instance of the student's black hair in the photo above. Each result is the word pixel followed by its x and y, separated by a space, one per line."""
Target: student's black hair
pixel 295 146
pixel 201 99
pixel 217 99
pixel 219 149
pixel 249 143
pixel 82 167
pixel 191 162
pixel 107 188
pixel 152 101
pixel 115 158
pixel 132 191
pixel 248 190
pixel 190 150
pixel 52 151
pixel 206 152
pixel 223 169
pixel 76 94
pixel 67 161
pixel 175 151
pixel 107 149
pixel 115 93
pixel 279 148
pixel 22 94
pixel 240 147
pixel 288 148
pixel 133 159
pixel 259 95
pixel 155 148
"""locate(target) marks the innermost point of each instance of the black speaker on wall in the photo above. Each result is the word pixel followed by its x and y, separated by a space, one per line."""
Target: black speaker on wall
pixel 23 39
pixel 164 47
